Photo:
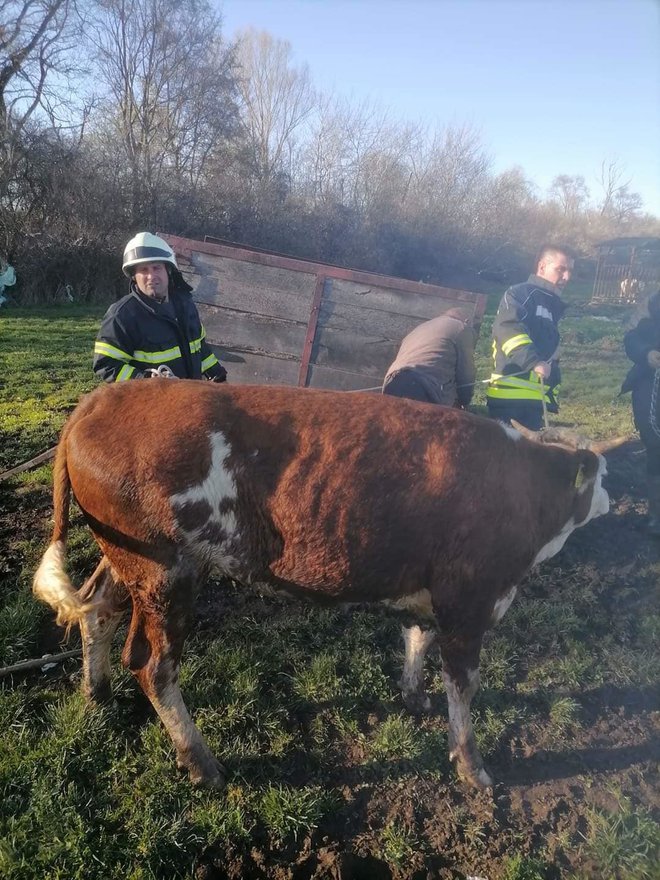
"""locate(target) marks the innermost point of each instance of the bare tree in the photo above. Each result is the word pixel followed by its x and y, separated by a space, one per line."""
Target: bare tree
pixel 277 100
pixel 37 38
pixel 571 194
pixel 169 90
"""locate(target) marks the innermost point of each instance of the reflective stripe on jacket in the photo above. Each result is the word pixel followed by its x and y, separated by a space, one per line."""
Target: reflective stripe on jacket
pixel 525 333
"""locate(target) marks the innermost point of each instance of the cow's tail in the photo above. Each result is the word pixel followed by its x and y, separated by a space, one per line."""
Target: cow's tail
pixel 51 583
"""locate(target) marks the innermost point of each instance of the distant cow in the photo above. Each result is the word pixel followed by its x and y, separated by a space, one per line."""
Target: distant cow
pixel 631 289
pixel 350 497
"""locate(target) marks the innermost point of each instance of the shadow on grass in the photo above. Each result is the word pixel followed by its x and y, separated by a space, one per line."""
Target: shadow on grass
pixel 547 766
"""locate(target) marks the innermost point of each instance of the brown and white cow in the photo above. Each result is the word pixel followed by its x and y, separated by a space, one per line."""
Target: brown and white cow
pixel 352 497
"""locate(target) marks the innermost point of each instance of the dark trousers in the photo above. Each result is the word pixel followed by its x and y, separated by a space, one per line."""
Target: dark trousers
pixel 406 384
pixel 645 421
pixel 528 414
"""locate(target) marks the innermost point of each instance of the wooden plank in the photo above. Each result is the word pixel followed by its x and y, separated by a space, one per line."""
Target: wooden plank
pixel 340 380
pixel 371 322
pixel 354 352
pixel 274 292
pixel 27 465
pixel 249 332
pixel 253 368
pixel 387 299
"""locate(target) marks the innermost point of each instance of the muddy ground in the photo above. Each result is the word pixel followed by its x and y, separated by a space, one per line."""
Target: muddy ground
pixel 538 803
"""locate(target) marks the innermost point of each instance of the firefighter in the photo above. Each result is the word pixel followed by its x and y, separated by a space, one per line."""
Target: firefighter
pixel 155 329
pixel 526 342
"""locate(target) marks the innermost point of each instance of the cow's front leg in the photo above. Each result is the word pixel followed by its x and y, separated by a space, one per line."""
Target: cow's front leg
pixel 417 642
pixel 152 653
pixel 460 673
pixel 102 611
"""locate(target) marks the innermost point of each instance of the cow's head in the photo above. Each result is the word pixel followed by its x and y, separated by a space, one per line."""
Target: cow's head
pixel 591 498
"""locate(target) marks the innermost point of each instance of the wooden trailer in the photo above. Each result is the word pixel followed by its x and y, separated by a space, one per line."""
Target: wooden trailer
pixel 273 319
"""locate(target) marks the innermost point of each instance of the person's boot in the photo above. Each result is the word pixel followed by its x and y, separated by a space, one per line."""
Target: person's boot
pixel 653 524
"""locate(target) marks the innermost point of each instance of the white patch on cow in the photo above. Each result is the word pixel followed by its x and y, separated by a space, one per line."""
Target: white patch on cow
pixel 600 505
pixel 510 432
pixel 419 603
pixel 460 723
pixel 217 487
pixel 600 502
pixel 461 733
pixel 502 605
pixel 417 642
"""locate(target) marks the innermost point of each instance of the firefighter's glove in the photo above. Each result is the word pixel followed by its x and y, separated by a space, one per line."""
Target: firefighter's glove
pixel 161 372
pixel 219 374
pixel 543 370
pixel 653 359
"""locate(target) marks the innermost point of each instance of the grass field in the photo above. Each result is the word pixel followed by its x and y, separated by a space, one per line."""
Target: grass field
pixel 328 776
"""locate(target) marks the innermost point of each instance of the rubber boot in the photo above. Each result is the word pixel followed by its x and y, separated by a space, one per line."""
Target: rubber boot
pixel 653 524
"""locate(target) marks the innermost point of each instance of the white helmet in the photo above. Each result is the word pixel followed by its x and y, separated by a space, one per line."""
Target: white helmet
pixel 146 248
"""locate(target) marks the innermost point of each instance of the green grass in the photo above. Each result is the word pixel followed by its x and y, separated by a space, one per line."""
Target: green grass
pixel 45 364
pixel 300 703
pixel 625 844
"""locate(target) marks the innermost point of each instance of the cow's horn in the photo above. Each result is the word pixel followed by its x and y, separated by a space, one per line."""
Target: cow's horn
pixel 600 447
pixel 526 432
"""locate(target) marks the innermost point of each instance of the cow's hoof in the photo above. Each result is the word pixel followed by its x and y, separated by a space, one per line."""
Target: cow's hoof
pixel 477 778
pixel 471 770
pixel 207 772
pixel 417 702
pixel 100 694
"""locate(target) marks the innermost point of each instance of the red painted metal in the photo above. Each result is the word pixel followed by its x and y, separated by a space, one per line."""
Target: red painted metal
pixel 311 331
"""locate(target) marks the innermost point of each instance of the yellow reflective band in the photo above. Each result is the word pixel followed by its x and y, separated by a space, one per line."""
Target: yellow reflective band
pixel 125 373
pixel 515 388
pixel 210 361
pixel 110 351
pixel 515 342
pixel 513 393
pixel 515 381
pixel 157 357
pixel 196 345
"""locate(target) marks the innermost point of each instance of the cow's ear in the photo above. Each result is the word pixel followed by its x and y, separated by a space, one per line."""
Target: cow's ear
pixel 587 467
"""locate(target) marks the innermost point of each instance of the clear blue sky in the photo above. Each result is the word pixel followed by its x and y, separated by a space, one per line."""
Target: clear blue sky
pixel 553 86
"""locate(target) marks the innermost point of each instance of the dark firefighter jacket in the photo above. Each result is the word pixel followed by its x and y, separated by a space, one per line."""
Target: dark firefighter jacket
pixel 638 342
pixel 138 333
pixel 525 332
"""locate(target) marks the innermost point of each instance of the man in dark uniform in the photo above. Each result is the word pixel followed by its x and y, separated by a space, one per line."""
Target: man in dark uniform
pixel 642 345
pixel 155 329
pixel 435 363
pixel 526 342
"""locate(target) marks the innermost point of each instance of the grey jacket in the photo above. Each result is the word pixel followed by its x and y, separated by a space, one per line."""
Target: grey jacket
pixel 441 353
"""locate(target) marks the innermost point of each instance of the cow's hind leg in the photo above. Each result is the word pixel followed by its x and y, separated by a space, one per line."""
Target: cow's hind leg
pixel 460 673
pixel 417 642
pixel 105 603
pixel 153 653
